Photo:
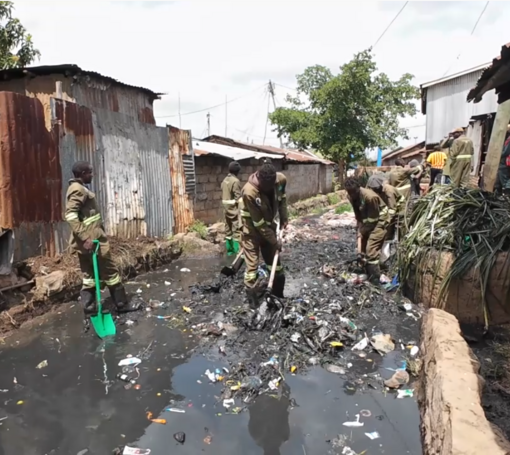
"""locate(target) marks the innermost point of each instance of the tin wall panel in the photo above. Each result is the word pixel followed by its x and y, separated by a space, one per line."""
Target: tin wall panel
pixel 116 139
pixel 156 182
pixel 40 239
pixel 447 107
pixel 30 176
pixel 74 125
pixel 180 145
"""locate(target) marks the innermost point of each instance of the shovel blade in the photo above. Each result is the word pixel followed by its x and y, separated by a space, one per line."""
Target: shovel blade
pixel 227 271
pixel 103 324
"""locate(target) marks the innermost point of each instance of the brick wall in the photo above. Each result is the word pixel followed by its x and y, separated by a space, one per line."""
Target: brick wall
pixel 304 181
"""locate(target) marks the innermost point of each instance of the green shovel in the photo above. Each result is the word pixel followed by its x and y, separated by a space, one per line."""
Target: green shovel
pixel 103 323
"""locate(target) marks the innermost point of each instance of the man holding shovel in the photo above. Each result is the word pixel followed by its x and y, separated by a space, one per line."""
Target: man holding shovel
pixel 82 214
pixel 263 199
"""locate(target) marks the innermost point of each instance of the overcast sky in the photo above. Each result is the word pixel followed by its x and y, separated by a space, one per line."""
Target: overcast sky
pixel 207 50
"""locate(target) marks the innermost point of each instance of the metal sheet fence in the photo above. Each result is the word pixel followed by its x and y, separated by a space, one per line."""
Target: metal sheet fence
pixel 182 170
pixel 132 178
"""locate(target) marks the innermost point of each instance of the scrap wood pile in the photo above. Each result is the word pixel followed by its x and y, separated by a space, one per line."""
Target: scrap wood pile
pixel 471 224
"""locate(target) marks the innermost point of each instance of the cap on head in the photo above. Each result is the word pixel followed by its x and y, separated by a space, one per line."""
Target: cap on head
pixel 267 171
pixel 351 184
pixel 400 162
pixel 234 167
pixel 80 167
pixel 414 163
pixel 458 130
pixel 376 182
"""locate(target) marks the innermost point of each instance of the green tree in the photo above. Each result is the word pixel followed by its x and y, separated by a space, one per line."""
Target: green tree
pixel 16 47
pixel 343 115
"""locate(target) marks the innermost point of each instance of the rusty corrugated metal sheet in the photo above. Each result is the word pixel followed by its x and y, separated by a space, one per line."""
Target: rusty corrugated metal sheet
pixel 30 175
pixel 156 180
pixel 179 145
pixel 496 76
pixel 74 126
pixel 116 140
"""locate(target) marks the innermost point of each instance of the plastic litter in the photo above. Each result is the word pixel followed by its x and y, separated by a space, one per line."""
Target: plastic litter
pixel 348 451
pixel 180 437
pixel 382 343
pixel 167 283
pixel 335 369
pixel 274 384
pixel 135 451
pixel 356 423
pixel 130 361
pixel 360 346
pixel 125 378
pixel 365 413
pixel 211 376
pixel 228 403
pixel 405 393
pixel 373 435
pixel 186 309
pixel 400 378
pixel 414 351
pixel 160 421
pixel 185 270
pixel 42 365
pixel 295 337
pixel 176 410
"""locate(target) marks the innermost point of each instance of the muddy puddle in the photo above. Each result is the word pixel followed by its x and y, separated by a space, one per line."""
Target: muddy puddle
pixel 75 405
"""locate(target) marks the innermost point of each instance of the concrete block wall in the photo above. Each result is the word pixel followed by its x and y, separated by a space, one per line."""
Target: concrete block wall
pixel 307 180
pixel 304 181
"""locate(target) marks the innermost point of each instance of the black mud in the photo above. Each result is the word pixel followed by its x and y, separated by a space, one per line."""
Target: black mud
pixel 493 353
pixel 75 405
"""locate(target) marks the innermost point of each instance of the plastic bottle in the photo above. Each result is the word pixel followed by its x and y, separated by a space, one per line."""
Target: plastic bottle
pixel 125 378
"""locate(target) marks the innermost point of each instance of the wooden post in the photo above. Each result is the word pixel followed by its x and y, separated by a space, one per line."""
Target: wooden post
pixel 58 90
pixel 490 169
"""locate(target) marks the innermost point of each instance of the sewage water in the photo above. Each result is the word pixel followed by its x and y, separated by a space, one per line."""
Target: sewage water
pixel 76 406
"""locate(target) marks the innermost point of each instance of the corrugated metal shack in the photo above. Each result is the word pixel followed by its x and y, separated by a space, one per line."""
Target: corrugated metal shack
pixel 411 152
pixel 40 139
pixel 86 88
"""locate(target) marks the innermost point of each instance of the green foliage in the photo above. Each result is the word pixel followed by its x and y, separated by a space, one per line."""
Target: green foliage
pixel 16 47
pixel 343 208
pixel 333 199
pixel 343 115
pixel 200 228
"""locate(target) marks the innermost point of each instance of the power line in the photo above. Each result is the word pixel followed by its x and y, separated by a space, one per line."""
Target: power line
pixel 471 34
pixel 390 24
pixel 212 107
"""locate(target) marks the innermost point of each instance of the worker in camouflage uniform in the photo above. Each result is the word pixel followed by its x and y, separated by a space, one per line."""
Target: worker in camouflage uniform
pixel 401 177
pixel 82 214
pixel 231 192
pixel 373 220
pixel 391 198
pixel 445 146
pixel 503 181
pixel 263 198
pixel 459 158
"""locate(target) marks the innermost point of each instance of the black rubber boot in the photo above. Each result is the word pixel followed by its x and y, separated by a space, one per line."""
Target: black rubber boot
pixel 88 300
pixel 120 299
pixel 279 285
pixel 374 273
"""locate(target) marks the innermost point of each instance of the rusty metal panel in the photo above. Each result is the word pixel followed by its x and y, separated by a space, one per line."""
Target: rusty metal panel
pixel 74 126
pixel 118 138
pixel 40 239
pixel 30 176
pixel 179 146
pixel 157 186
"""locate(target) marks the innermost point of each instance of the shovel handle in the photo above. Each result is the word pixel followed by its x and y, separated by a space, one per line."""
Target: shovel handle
pixel 273 268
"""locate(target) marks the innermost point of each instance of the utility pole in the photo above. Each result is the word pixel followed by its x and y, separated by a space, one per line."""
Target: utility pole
pixel 226 116
pixel 180 110
pixel 271 92
pixel 208 124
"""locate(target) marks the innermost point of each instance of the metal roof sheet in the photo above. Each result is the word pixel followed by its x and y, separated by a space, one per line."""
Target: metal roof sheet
pixel 496 76
pixel 67 70
pixel 455 75
pixel 235 153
